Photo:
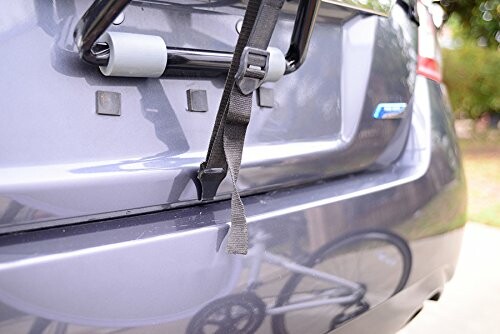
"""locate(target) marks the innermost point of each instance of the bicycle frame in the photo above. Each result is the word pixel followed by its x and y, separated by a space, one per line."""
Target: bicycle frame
pixel 258 254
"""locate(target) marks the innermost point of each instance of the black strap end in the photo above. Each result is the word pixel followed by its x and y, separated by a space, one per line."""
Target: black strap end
pixel 210 179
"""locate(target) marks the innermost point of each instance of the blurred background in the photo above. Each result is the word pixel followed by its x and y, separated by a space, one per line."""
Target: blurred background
pixel 470 41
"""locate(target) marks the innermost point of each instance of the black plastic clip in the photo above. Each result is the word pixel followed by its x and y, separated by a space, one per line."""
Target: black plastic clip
pixel 253 68
pixel 210 179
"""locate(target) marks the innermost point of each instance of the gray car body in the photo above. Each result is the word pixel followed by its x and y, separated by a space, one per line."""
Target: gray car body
pixel 100 222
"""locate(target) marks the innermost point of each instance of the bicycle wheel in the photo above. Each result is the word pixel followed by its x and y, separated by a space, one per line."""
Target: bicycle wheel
pixel 379 261
pixel 234 314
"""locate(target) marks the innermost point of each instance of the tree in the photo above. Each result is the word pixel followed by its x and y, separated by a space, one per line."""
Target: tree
pixel 476 19
pixel 471 74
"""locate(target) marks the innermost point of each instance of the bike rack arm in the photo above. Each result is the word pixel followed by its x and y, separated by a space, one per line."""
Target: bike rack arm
pixel 92 25
pixel 307 12
pixel 102 13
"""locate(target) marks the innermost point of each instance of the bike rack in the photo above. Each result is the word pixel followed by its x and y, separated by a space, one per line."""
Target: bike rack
pixel 102 13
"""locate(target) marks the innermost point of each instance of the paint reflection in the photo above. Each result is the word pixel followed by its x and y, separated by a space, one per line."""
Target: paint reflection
pixel 283 286
pixel 339 281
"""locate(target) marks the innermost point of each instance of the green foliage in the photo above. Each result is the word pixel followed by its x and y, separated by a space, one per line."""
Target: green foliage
pixel 472 75
pixel 481 159
pixel 479 20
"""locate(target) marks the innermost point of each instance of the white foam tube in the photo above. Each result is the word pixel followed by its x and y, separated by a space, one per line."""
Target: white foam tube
pixel 277 65
pixel 134 55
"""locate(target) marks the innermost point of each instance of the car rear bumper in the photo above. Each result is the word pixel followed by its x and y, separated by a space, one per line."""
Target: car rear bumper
pixel 161 268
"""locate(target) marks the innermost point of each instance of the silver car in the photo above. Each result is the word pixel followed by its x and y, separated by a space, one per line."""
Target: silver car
pixel 350 179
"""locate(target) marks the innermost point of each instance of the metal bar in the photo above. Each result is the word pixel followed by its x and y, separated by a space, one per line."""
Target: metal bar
pixel 297 268
pixel 307 12
pixel 101 14
pixel 191 59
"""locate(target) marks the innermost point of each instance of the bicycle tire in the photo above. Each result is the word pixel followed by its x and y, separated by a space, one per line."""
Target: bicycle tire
pixel 331 249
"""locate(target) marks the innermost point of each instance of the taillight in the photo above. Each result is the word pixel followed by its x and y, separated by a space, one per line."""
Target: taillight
pixel 429 57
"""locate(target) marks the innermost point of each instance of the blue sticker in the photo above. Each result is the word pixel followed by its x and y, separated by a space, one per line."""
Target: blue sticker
pixel 389 110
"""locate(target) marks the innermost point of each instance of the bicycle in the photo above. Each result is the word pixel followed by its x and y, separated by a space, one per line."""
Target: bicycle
pixel 310 286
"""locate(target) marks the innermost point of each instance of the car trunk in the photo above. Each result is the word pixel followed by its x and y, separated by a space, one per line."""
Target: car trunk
pixel 61 162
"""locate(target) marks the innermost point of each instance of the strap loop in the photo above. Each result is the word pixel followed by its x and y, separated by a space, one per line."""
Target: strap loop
pixel 248 70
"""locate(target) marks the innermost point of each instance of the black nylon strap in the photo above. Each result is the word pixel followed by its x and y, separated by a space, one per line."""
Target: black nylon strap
pixel 228 136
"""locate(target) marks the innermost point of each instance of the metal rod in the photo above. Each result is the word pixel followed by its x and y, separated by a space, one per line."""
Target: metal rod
pixel 92 25
pixel 191 59
pixel 101 14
